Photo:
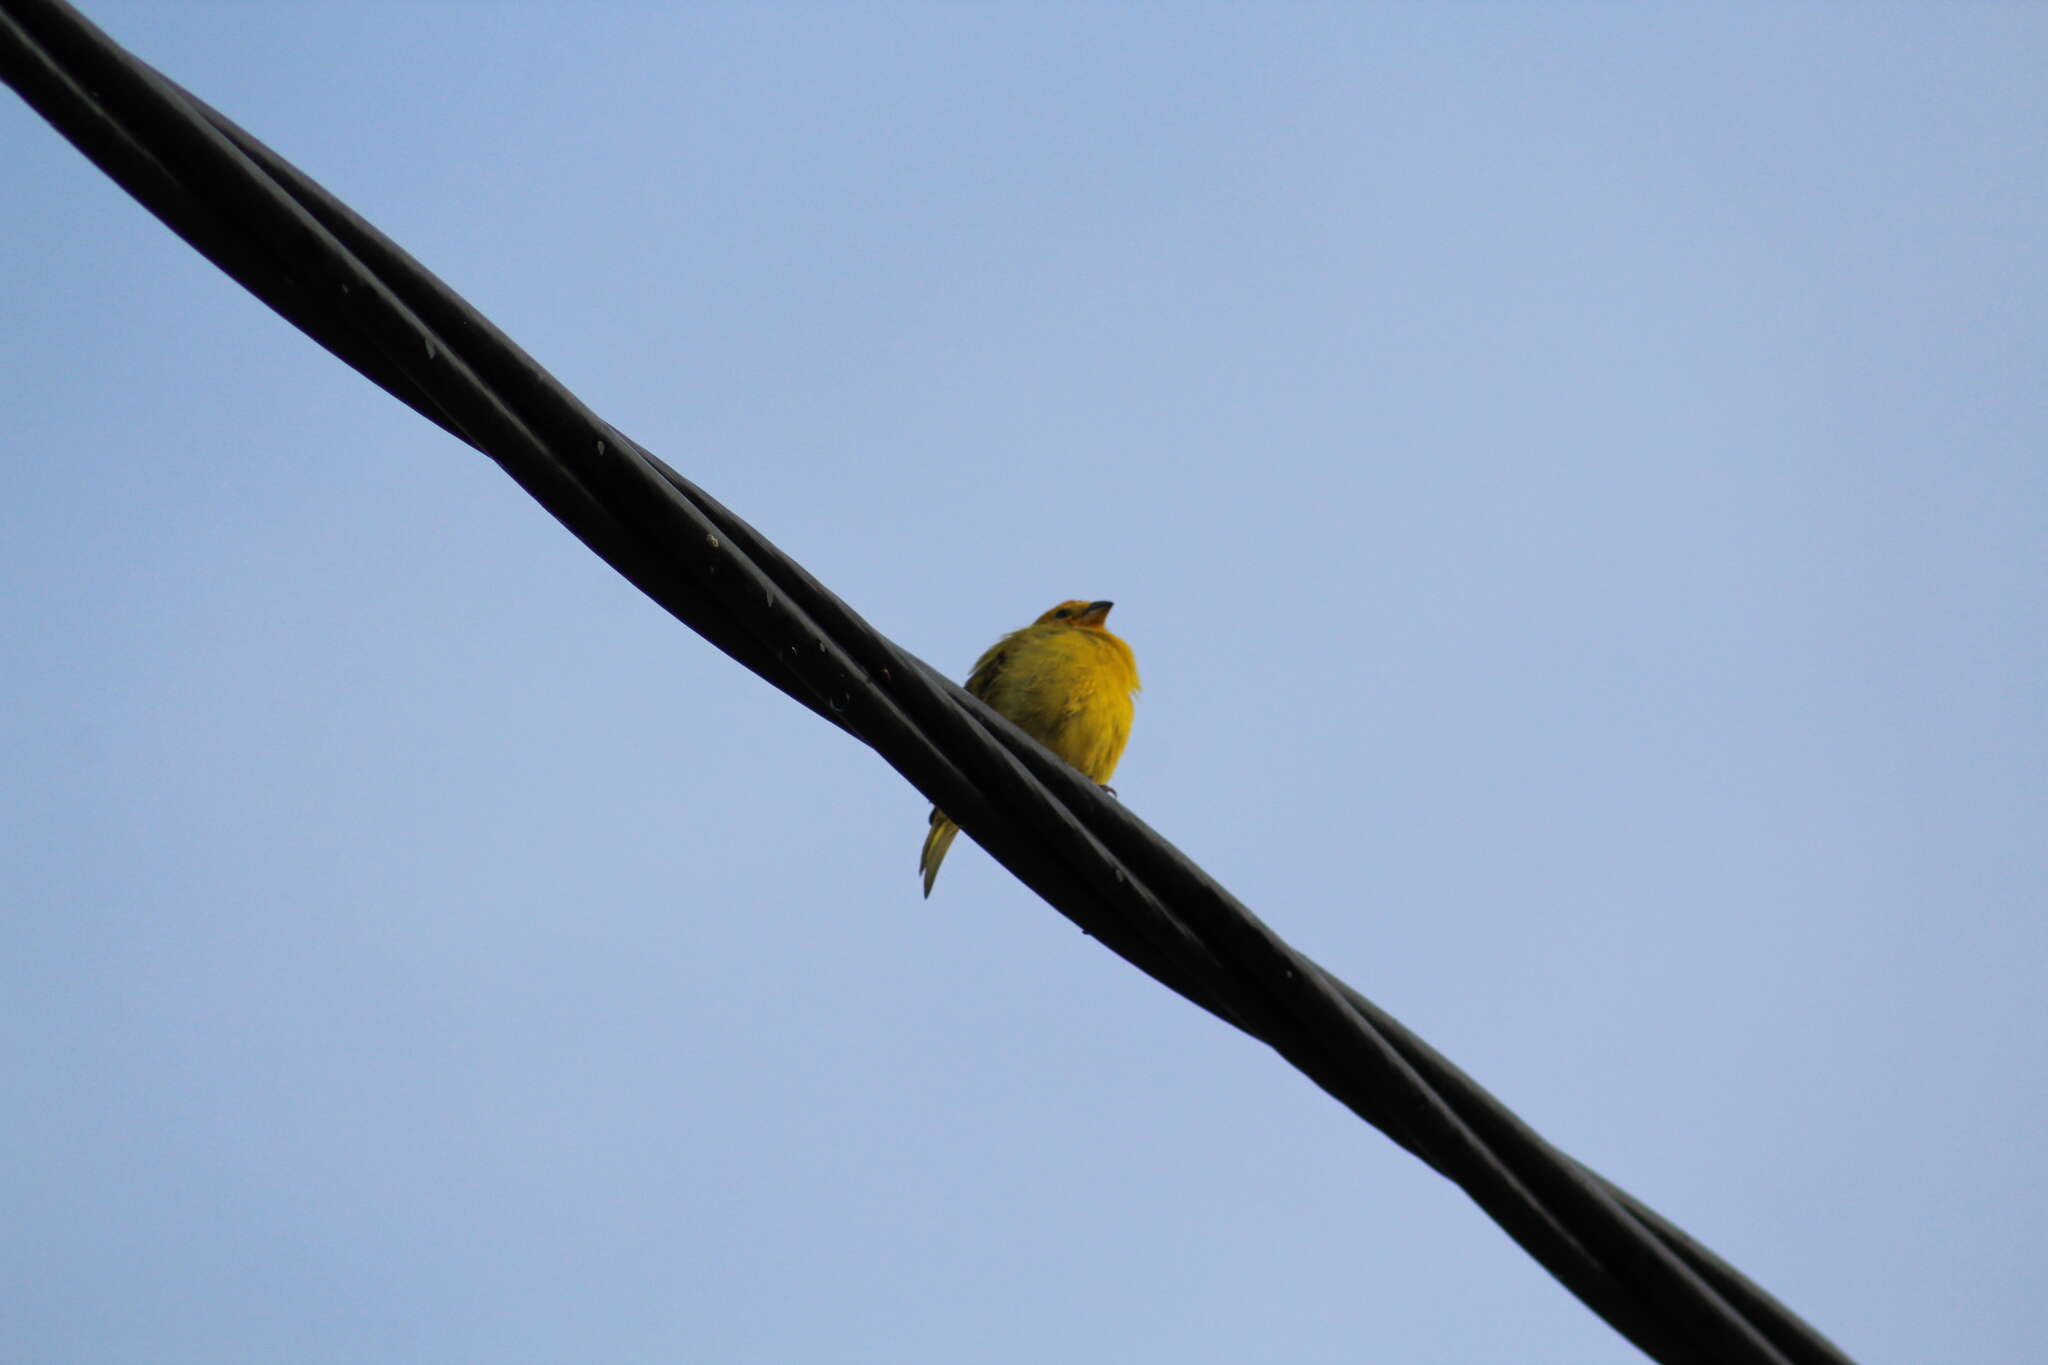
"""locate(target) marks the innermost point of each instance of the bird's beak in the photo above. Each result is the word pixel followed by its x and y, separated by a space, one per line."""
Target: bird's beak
pixel 1093 613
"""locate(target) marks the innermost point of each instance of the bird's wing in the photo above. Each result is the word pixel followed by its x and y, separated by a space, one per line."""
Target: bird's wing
pixel 988 670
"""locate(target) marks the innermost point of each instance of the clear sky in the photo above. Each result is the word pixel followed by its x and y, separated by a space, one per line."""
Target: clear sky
pixel 1573 477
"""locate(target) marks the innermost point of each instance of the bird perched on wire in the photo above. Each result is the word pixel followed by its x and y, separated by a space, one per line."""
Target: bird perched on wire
pixel 1067 683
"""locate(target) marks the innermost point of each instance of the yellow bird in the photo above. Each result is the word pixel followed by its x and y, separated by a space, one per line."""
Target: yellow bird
pixel 1066 682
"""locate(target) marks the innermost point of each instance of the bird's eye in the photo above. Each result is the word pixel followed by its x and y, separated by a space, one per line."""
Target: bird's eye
pixel 1062 614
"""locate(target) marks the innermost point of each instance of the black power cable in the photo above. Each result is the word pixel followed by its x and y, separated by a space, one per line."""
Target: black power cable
pixel 335 277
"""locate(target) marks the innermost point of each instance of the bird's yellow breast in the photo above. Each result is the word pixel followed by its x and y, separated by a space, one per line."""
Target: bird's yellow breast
pixel 1068 688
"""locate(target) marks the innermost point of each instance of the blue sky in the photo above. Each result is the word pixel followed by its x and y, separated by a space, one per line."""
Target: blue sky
pixel 1573 479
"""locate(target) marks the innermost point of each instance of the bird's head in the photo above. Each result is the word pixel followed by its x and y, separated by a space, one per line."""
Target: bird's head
pixel 1087 615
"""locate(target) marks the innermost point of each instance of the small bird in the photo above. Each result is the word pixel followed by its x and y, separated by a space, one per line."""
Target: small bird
pixel 1064 681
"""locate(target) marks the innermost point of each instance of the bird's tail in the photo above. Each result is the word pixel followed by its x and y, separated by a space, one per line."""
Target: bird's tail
pixel 935 845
